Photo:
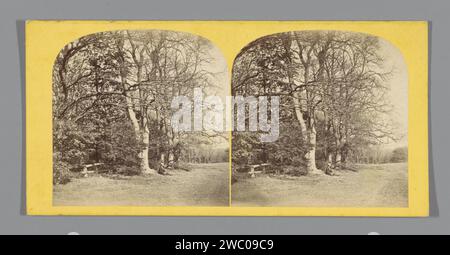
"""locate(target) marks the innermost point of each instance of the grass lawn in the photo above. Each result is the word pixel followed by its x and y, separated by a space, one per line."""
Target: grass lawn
pixel 384 185
pixel 204 185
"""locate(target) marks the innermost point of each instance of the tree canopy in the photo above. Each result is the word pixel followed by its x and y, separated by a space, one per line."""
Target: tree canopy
pixel 332 87
pixel 112 94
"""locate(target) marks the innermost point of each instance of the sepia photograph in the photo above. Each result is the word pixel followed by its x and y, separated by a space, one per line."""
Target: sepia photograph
pixel 341 101
pixel 227 118
pixel 115 142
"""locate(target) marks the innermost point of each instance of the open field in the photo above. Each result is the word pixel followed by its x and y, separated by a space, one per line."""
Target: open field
pixel 384 185
pixel 205 185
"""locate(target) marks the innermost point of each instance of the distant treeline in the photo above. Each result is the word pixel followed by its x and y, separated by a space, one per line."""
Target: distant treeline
pixel 205 155
pixel 380 156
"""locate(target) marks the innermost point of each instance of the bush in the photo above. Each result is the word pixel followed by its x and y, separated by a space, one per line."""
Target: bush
pixel 399 155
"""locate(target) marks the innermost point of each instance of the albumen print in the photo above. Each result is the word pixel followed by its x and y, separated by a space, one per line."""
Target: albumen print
pixel 113 140
pixel 343 122
pixel 227 118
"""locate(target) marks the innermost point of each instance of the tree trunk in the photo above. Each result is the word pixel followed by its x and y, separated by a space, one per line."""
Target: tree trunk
pixel 143 155
pixel 171 159
pixel 163 158
pixel 309 138
pixel 299 98
pixel 344 152
pixel 142 136
pixel 141 131
pixel 310 155
pixel 338 159
pixel 338 155
pixel 140 125
pixel 329 169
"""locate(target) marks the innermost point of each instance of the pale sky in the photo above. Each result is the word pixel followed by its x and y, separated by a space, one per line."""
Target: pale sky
pixel 398 94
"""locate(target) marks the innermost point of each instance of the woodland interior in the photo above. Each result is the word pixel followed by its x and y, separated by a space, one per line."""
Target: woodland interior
pixel 343 122
pixel 112 132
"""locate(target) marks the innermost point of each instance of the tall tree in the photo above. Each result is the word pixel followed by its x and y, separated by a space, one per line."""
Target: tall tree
pixel 332 84
pixel 106 78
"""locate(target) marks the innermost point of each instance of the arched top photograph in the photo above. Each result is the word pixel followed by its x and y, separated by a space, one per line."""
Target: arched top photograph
pixel 113 104
pixel 343 113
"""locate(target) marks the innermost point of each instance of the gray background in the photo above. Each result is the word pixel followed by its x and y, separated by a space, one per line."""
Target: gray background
pixel 12 140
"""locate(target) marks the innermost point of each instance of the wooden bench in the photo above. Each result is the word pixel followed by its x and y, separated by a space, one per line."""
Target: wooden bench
pixel 253 168
pixel 85 172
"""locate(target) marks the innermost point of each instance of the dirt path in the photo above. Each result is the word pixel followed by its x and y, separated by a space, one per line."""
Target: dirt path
pixel 383 185
pixel 205 185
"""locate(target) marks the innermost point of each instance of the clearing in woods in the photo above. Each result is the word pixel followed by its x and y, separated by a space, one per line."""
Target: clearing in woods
pixel 204 185
pixel 383 185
